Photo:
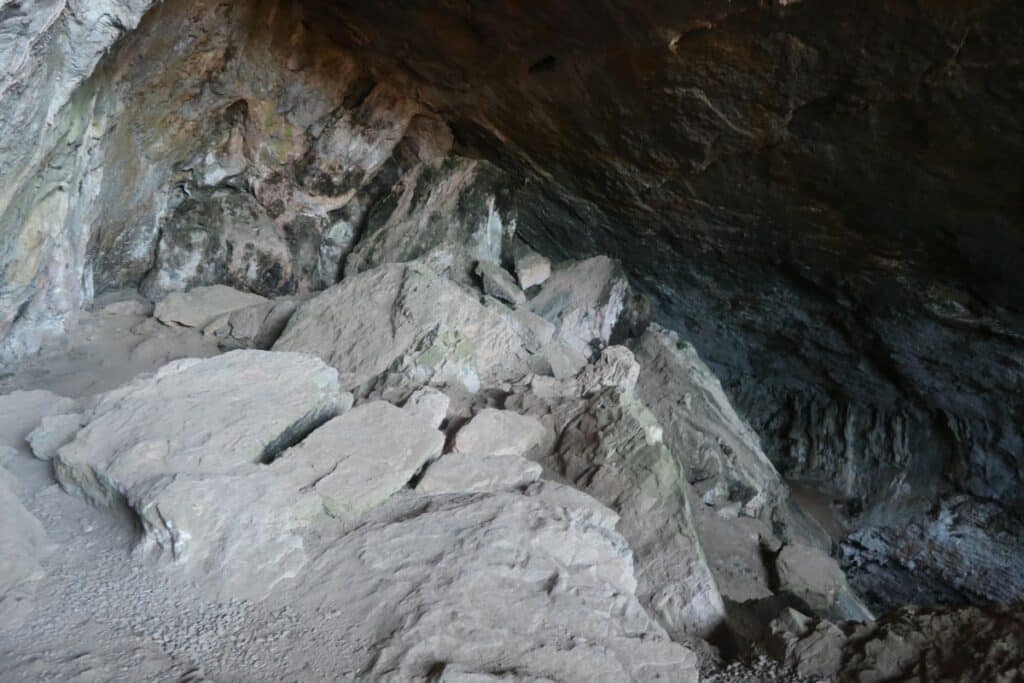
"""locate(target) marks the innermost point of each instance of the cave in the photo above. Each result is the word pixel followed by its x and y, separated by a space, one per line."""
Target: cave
pixel 355 340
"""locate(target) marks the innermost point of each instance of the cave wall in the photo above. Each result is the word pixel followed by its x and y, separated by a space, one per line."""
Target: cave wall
pixel 826 198
pixel 233 143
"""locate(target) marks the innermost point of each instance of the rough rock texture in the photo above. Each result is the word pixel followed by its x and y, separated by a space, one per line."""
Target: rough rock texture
pixel 723 454
pixel 268 150
pixel 611 447
pixel 53 432
pixel 497 282
pixel 430 404
pixel 253 327
pixel 48 52
pixel 824 199
pixel 532 269
pixel 403 324
pixel 170 445
pixel 810 575
pixel 959 645
pixel 586 301
pixel 963 551
pixel 470 473
pixel 810 647
pixel 491 586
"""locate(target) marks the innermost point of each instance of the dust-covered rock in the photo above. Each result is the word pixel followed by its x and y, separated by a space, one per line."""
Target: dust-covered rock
pixel 500 432
pixel 200 306
pixel 404 326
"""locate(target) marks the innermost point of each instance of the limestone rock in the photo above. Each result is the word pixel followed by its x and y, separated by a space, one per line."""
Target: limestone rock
pixel 201 306
pixel 22 411
pixel 810 647
pixel 611 447
pixel 430 404
pixel 723 454
pixel 735 554
pixel 810 575
pixel 235 534
pixel 920 558
pixel 404 325
pixel 615 368
pixel 23 544
pixel 446 213
pixel 253 327
pixel 183 448
pixel 53 432
pixel 499 284
pixel 490 583
pixel 361 458
pixel 216 236
pixel 532 269
pixel 469 473
pixel 960 645
pixel 500 432
pixel 197 417
pixel 585 300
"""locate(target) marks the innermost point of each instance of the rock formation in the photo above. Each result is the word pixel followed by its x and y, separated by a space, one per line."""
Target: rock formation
pixel 454 341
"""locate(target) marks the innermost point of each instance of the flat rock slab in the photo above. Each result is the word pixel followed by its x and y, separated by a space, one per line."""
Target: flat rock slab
pixel 466 473
pixel 500 432
pixel 197 417
pixel 183 448
pixel 360 459
pixel 721 451
pixel 200 306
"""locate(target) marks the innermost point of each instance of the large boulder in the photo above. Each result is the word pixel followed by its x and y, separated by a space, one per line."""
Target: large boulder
pixel 537 587
pixel 53 432
pixel 185 449
pixel 253 327
pixel 197 417
pixel 816 579
pixel 809 647
pixel 403 325
pixel 722 453
pixel 471 473
pixel 959 645
pixel 610 446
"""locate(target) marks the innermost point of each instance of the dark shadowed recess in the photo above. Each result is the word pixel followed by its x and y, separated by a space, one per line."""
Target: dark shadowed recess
pixel 827 198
